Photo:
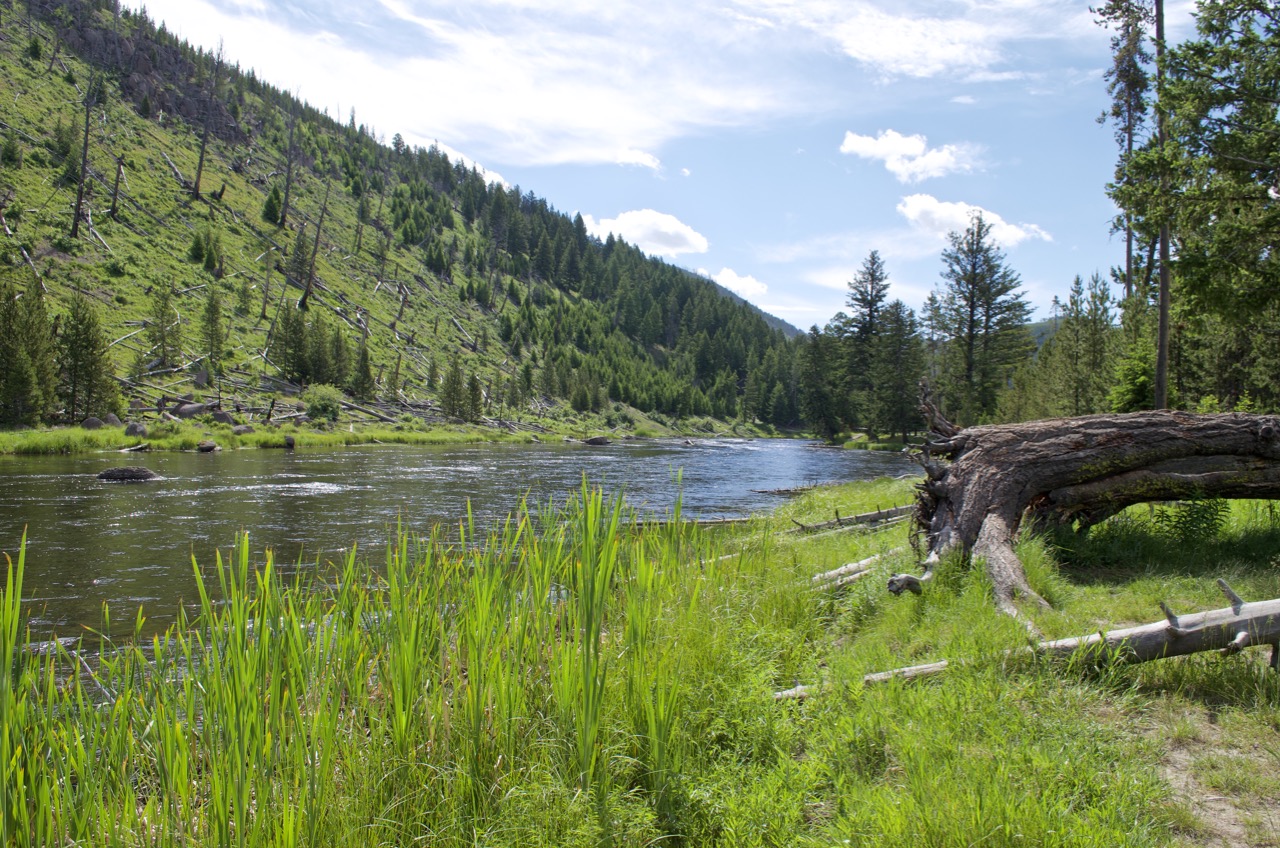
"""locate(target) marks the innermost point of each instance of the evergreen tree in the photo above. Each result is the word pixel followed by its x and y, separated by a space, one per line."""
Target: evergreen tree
pixel 867 292
pixel 164 326
pixel 1128 83
pixel 363 386
pixel 40 349
pixel 818 401
pixel 212 332
pixel 289 348
pixel 475 399
pixel 897 364
pixel 86 374
pixel 271 206
pixel 20 396
pixel 453 399
pixel 980 316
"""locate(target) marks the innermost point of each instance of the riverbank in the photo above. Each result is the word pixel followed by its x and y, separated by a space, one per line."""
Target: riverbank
pixel 188 435
pixel 597 682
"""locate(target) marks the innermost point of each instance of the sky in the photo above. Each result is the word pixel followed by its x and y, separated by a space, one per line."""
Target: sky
pixel 767 144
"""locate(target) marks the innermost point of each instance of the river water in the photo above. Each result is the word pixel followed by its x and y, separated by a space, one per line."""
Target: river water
pixel 91 543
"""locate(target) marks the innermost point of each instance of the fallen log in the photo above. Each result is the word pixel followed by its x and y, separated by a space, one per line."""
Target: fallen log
pixel 862 518
pixel 1074 471
pixel 1228 630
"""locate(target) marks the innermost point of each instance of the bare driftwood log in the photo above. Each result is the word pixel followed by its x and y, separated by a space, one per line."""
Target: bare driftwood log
pixel 879 515
pixel 1079 470
pixel 1228 630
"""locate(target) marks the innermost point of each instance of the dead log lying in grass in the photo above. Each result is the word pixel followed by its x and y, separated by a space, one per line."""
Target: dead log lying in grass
pixel 1228 630
pixel 1075 470
pixel 846 574
pixel 876 517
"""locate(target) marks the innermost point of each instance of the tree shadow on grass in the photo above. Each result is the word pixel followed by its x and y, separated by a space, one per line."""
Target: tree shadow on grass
pixel 1131 547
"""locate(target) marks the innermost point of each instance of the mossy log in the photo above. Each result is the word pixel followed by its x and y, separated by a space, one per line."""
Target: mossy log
pixel 1075 471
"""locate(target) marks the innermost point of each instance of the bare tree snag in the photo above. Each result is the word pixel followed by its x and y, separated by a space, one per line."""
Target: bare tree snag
pixel 1075 470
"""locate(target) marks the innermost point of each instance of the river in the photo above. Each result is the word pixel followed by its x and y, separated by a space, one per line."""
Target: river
pixel 91 543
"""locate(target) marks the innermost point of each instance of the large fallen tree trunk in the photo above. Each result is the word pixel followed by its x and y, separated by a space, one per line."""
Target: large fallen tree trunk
pixel 1228 630
pixel 1075 470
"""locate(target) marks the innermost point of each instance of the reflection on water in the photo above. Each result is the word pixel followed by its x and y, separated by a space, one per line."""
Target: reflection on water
pixel 90 543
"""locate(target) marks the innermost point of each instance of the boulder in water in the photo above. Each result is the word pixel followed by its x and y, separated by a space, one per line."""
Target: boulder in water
pixel 596 440
pixel 128 474
pixel 207 446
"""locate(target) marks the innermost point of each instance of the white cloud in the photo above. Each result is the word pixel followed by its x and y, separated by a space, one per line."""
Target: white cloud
pixel 936 218
pixel 639 157
pixel 964 99
pixel 909 157
pixel 656 233
pixel 747 287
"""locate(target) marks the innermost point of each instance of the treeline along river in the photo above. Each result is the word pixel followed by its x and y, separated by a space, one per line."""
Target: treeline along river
pixel 90 542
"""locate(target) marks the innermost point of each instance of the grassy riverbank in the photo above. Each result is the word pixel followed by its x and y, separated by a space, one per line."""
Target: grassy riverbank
pixel 570 679
pixel 186 435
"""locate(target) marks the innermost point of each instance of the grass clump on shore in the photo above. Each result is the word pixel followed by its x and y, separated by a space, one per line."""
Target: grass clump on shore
pixel 571 677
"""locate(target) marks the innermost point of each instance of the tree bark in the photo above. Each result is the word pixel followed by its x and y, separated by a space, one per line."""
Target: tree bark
pixel 1075 471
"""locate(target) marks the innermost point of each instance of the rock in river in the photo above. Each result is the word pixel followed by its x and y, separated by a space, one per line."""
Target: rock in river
pixel 128 474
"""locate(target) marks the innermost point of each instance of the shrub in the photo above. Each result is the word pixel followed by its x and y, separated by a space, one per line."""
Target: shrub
pixel 323 402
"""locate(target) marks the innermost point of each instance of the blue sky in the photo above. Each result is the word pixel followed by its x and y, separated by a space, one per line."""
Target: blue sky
pixel 770 144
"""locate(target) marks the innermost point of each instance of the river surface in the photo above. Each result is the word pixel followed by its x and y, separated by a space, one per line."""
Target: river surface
pixel 91 543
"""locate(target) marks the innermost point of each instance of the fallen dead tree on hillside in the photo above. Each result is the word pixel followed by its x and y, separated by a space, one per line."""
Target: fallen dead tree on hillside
pixel 1228 630
pixel 1074 470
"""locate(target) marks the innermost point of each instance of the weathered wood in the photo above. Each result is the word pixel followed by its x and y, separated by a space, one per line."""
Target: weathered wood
pixel 1075 470
pixel 846 574
pixel 862 518
pixel 1228 630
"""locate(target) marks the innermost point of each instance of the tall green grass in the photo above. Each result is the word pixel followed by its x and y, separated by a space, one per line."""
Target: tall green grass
pixel 574 677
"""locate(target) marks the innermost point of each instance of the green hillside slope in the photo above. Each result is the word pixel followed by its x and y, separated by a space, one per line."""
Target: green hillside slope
pixel 467 298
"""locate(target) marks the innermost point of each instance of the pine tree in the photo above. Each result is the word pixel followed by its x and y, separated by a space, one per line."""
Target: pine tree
pixel 86 374
pixel 289 349
pixel 897 364
pixel 19 391
pixel 363 386
pixel 271 206
pixel 453 401
pixel 818 401
pixel 475 399
pixel 164 326
pixel 980 315
pixel 867 293
pixel 212 331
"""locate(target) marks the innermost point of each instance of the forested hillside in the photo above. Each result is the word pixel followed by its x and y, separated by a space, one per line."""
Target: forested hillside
pixel 177 222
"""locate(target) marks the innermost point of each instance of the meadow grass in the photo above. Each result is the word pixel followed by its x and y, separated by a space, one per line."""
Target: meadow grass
pixel 575 677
